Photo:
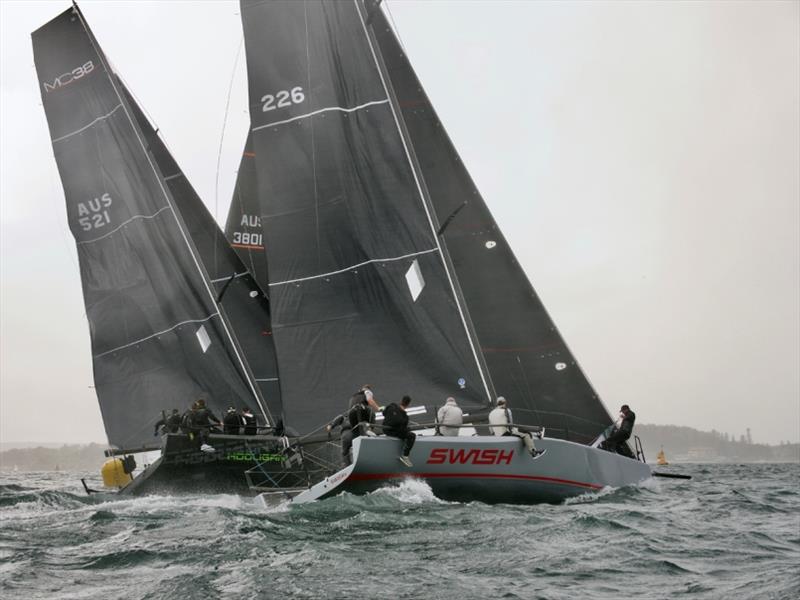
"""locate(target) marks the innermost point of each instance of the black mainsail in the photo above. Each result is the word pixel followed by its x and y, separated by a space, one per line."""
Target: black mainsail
pixel 360 291
pixel 171 310
pixel 354 167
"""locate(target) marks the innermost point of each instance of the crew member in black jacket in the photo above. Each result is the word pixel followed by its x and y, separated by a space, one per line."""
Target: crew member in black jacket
pixel 395 424
pixel 617 441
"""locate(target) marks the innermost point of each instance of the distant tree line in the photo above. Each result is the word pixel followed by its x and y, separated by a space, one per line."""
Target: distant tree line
pixel 688 444
pixel 83 457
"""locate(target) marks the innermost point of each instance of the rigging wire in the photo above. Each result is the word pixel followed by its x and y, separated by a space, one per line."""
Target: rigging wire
pixel 394 26
pixel 221 141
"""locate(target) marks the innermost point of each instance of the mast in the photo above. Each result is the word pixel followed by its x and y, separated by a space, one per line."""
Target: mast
pixel 179 221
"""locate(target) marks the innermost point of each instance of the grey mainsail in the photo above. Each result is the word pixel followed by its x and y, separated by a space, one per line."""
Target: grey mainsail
pixel 359 287
pixel 160 339
pixel 527 357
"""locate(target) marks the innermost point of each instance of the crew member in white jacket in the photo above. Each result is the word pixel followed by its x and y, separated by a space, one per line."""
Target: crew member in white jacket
pixel 499 421
pixel 448 416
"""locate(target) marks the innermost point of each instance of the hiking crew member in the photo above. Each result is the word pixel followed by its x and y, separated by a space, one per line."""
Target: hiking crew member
pixel 249 421
pixel 168 424
pixel 231 422
pixel 203 421
pixel 500 423
pixel 449 415
pixel 353 422
pixel 617 441
pixel 395 424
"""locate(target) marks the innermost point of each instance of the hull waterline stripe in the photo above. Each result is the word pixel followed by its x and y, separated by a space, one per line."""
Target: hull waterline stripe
pixel 144 339
pixel 361 264
pixel 321 110
pixel 85 127
pixel 555 480
pixel 133 218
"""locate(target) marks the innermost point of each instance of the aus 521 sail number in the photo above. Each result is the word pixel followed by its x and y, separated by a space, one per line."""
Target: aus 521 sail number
pixel 93 214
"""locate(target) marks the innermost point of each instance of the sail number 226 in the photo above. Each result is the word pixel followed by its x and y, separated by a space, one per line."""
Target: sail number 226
pixel 282 99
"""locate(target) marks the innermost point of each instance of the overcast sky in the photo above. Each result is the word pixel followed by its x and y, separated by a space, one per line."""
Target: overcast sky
pixel 643 160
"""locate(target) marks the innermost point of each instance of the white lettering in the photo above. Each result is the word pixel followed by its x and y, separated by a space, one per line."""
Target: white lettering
pixel 69 77
pixel 285 99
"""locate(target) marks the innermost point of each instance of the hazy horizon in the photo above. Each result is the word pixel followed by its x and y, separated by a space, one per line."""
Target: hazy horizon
pixel 642 159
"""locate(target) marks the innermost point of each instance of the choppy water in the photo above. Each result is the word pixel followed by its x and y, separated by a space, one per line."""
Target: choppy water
pixel 732 532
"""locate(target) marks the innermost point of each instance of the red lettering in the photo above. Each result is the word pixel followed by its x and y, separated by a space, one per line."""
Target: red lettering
pixel 487 457
pixel 505 456
pixel 462 457
pixel 437 456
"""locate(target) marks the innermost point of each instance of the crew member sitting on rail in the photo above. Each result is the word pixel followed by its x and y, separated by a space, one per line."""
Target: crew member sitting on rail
pixel 395 424
pixel 168 424
pixel 231 422
pixel 353 422
pixel 618 440
pixel 449 417
pixel 500 423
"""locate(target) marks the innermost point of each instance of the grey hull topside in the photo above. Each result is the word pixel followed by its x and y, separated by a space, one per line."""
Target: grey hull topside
pixel 483 468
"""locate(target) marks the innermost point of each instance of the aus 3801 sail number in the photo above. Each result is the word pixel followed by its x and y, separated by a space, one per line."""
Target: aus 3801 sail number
pixel 93 214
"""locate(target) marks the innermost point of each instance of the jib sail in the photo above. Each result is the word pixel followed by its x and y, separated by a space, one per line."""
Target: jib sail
pixel 360 290
pixel 160 339
pixel 243 227
pixel 527 358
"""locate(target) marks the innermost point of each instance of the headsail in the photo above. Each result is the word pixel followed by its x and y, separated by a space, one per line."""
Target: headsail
pixel 359 287
pixel 159 337
pixel 528 360
pixel 243 227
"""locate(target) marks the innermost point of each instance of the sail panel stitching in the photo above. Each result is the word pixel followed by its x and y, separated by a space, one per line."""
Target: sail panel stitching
pixel 322 110
pixel 85 127
pixel 350 268
pixel 133 218
pixel 144 339
pixel 268 379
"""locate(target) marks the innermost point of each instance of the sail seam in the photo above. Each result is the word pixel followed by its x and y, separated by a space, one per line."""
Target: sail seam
pixel 144 339
pixel 133 218
pixel 350 268
pixel 85 127
pixel 268 379
pixel 322 110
